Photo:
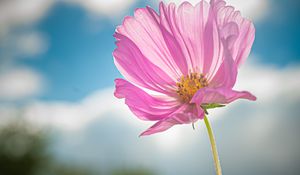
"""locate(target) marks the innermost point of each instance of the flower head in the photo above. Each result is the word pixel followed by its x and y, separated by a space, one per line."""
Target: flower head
pixel 188 55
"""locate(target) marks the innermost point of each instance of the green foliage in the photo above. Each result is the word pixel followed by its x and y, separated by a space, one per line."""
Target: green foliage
pixel 21 150
pixel 24 151
pixel 131 172
pixel 54 168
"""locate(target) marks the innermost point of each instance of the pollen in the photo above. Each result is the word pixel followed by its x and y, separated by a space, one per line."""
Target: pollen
pixel 189 85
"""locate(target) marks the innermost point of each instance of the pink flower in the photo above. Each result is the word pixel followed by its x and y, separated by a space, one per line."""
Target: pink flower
pixel 180 60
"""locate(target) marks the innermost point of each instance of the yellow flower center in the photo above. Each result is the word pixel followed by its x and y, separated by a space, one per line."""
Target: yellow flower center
pixel 189 85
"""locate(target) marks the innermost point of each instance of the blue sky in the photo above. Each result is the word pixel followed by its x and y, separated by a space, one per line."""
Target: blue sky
pixel 277 37
pixel 57 71
pixel 78 60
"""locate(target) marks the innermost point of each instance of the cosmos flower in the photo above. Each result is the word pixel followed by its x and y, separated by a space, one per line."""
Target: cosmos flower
pixel 181 61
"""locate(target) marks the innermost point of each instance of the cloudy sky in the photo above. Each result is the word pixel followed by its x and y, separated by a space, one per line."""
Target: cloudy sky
pixel 57 71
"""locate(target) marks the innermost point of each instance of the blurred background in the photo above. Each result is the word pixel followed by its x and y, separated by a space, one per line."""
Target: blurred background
pixel 58 115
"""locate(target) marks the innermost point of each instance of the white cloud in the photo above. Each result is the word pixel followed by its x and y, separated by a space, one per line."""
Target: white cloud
pixel 74 116
pixel 253 9
pixel 269 83
pixel 19 83
pixel 15 12
pixel 109 8
pixel 30 44
pixel 22 45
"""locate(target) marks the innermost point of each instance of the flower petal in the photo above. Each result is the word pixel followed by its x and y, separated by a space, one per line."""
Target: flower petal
pixel 137 68
pixel 172 44
pixel 195 31
pixel 237 35
pixel 206 44
pixel 241 46
pixel 143 105
pixel 183 116
pixel 220 96
pixel 155 44
pixel 227 71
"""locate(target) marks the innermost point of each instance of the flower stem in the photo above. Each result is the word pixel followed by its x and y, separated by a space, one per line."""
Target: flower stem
pixel 213 146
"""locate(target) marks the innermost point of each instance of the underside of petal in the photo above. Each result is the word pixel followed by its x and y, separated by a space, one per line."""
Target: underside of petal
pixel 185 115
pixel 143 105
pixel 220 96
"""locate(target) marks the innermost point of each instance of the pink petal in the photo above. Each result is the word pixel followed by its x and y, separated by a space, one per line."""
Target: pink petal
pixel 241 46
pixel 172 44
pixel 219 95
pixel 236 35
pixel 185 115
pixel 195 31
pixel 143 105
pixel 145 31
pixel 137 68
pixel 227 72
pixel 205 43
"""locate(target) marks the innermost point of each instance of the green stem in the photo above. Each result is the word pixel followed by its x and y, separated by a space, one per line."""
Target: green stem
pixel 213 146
